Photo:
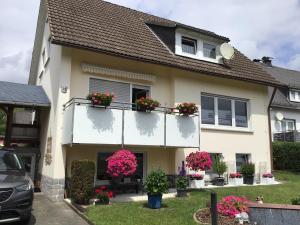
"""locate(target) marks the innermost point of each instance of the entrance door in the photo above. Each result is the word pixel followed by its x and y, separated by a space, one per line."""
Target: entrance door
pixel 29 160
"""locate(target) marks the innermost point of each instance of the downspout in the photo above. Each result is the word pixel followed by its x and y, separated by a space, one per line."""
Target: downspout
pixel 270 129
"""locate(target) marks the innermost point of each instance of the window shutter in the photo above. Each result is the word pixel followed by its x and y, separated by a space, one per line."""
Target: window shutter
pixel 120 90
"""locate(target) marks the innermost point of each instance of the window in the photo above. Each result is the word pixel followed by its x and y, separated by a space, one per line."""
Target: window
pixel 209 50
pixel 214 157
pixel 287 125
pixel 138 92
pixel 224 111
pixel 207 110
pixel 241 115
pixel 189 45
pixel 295 96
pixel 241 159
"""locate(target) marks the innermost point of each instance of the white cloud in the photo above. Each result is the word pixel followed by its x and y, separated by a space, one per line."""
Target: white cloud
pixel 294 63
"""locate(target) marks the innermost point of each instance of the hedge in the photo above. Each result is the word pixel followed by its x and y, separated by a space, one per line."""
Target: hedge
pixel 286 156
pixel 82 181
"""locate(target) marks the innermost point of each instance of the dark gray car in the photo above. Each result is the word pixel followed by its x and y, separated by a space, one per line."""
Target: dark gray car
pixel 16 189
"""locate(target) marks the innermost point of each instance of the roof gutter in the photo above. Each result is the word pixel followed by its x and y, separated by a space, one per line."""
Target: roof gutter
pixel 270 129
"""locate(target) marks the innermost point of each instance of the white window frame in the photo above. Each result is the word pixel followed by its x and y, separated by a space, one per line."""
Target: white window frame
pixel 286 125
pixel 212 44
pixel 297 95
pixel 224 127
pixel 192 40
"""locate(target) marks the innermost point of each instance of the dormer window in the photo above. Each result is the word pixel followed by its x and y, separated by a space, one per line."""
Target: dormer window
pixel 189 45
pixel 209 50
pixel 294 96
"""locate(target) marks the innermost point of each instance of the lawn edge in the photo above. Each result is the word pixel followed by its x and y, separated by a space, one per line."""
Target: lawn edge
pixel 82 215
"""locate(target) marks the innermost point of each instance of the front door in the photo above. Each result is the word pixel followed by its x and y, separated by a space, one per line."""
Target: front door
pixel 29 161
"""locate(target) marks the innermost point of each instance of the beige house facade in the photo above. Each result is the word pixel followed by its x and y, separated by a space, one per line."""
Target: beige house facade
pixel 232 118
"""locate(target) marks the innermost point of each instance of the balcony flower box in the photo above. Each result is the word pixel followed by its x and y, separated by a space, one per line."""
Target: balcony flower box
pixel 267 178
pixel 197 181
pixel 146 104
pixel 235 179
pixel 187 109
pixel 101 99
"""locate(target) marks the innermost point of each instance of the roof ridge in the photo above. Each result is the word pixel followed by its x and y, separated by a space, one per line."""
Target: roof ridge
pixel 169 20
pixel 283 68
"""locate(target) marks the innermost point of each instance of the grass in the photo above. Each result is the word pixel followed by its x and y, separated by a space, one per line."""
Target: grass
pixel 180 211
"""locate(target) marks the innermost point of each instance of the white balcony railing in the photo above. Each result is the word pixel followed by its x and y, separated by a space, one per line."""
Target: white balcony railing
pixel 119 124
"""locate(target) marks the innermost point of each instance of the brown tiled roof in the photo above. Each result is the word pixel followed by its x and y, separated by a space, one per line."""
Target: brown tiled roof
pixel 105 27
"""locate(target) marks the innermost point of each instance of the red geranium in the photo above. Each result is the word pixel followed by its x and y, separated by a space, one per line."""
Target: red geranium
pixel 121 163
pixel 232 205
pixel 235 175
pixel 199 161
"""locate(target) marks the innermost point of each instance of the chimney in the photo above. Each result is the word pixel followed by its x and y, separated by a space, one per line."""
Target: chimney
pixel 267 60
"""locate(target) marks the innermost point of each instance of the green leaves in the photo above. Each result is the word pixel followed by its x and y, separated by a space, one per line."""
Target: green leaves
pixel 156 182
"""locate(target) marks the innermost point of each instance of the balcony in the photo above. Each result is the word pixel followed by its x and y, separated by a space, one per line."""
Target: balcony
pixel 288 136
pixel 119 124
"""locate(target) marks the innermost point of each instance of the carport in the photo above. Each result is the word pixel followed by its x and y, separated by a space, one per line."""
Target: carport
pixel 23 105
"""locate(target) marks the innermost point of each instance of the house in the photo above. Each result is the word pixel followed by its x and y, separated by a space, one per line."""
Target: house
pixel 285 107
pixel 84 46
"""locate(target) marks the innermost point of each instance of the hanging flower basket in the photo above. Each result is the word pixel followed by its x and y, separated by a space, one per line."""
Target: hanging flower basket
pixel 146 104
pixel 102 99
pixel 121 163
pixel 199 161
pixel 187 109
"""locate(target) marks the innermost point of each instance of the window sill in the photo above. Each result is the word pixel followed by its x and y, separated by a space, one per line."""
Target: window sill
pixel 228 129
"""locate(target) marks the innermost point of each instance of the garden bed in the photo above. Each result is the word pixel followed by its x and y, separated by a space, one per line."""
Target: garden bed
pixel 203 216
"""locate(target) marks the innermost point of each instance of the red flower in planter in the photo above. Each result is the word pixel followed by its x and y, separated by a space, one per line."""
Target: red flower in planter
pixel 267 175
pixel 199 161
pixel 235 175
pixel 232 205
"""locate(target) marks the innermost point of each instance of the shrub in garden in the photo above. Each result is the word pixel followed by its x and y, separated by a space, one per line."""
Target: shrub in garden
pixel 248 169
pixel 82 181
pixel 199 161
pixel 156 183
pixel 121 163
pixel 182 182
pixel 103 99
pixel 286 156
pixel 295 201
pixel 146 104
pixel 232 205
pixel 219 167
pixel 187 108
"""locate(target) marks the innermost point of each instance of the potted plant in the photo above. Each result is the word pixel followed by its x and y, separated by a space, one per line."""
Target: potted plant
pixel 146 104
pixel 220 168
pixel 267 178
pixel 103 99
pixel 248 171
pixel 196 181
pixel 235 179
pixel 155 185
pixel 103 196
pixel 187 109
pixel 181 184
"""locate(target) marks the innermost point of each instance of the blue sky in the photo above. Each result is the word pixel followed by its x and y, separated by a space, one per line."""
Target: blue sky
pixel 257 28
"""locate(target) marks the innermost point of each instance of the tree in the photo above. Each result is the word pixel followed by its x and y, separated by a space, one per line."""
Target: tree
pixel 2 122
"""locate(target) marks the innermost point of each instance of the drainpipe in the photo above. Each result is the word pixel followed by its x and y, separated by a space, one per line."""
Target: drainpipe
pixel 270 129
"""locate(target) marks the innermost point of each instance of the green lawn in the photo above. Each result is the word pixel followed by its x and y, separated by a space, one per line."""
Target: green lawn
pixel 180 211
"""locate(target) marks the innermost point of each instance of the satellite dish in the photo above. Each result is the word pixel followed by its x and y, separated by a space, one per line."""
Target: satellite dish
pixel 227 51
pixel 279 116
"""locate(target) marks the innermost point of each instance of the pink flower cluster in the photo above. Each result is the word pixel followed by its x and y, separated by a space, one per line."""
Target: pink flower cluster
pixel 199 161
pixel 121 163
pixel 196 177
pixel 267 175
pixel 235 175
pixel 232 205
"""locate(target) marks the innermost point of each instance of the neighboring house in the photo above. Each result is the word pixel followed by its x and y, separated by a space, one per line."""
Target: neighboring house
pixel 285 107
pixel 84 46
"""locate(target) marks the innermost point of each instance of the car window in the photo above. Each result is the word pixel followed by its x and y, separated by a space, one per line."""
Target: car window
pixel 9 161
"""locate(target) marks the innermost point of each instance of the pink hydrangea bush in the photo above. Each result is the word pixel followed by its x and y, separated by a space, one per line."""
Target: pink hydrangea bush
pixel 199 161
pixel 232 205
pixel 121 163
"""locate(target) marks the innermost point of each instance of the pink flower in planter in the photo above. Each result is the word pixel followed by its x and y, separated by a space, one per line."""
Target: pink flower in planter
pixel 267 175
pixel 121 163
pixel 199 161
pixel 232 205
pixel 235 175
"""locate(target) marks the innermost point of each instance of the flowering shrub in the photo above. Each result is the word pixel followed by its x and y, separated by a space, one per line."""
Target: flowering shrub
pixel 146 104
pixel 232 205
pixel 196 177
pixel 199 161
pixel 187 108
pixel 235 175
pixel 103 195
pixel 267 175
pixel 103 99
pixel 121 163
